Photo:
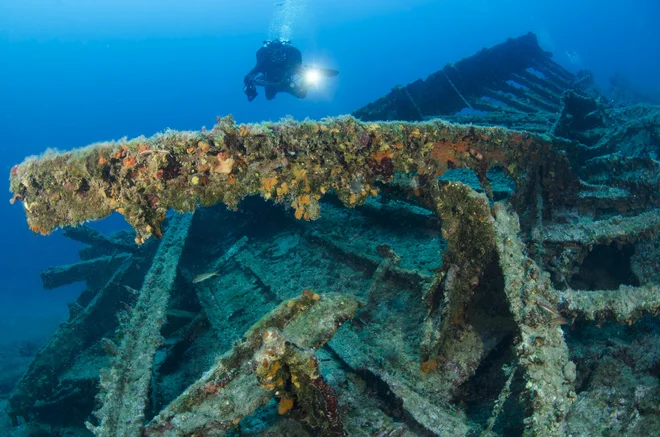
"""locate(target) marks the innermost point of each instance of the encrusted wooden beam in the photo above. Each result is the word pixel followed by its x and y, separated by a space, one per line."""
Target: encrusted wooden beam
pixel 54 277
pixel 126 383
pixel 541 350
pixel 625 305
pixel 242 379
pixel 291 162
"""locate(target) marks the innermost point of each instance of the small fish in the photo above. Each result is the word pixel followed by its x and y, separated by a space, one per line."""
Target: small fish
pixel 559 321
pixel 149 151
pixel 132 290
pixel 548 308
pixel 204 276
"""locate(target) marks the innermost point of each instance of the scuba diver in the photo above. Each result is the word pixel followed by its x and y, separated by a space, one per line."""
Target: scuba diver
pixel 280 69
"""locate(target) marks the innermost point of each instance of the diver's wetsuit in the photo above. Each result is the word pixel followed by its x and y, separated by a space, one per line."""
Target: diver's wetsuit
pixel 278 62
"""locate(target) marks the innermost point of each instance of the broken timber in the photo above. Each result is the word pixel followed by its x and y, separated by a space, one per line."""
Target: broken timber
pixel 54 277
pixel 233 388
pixel 87 235
pixel 81 331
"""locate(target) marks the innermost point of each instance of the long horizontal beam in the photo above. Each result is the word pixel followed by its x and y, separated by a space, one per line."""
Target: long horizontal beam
pixel 288 161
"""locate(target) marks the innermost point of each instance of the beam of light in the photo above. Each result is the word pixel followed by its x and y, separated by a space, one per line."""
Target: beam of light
pixel 313 76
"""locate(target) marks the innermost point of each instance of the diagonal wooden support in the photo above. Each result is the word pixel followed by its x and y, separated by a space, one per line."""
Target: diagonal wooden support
pixel 231 389
pixel 541 350
pixel 126 384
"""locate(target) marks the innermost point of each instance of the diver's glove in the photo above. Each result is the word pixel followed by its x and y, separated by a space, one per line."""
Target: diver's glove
pixel 251 92
pixel 250 88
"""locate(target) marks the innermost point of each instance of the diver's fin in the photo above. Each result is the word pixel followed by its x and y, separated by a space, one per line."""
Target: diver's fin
pixel 325 72
pixel 328 72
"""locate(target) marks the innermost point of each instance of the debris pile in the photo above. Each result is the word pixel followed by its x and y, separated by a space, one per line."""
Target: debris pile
pixel 369 278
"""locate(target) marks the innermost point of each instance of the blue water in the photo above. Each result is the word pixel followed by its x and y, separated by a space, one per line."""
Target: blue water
pixel 75 72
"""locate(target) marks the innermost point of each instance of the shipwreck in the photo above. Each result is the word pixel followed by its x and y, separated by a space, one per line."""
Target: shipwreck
pixel 470 255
